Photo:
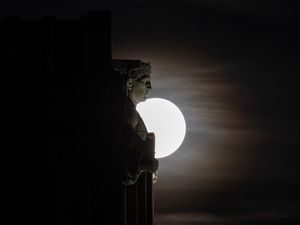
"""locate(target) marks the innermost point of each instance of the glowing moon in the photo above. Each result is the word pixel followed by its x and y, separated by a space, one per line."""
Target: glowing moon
pixel 166 121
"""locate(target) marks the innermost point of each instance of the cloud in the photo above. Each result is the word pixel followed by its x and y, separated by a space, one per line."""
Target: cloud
pixel 204 218
pixel 186 218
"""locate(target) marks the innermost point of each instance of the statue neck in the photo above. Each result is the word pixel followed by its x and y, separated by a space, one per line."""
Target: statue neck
pixel 133 99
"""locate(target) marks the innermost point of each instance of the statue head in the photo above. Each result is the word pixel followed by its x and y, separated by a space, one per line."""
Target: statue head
pixel 137 76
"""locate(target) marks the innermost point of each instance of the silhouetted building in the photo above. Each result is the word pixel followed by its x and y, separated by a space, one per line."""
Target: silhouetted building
pixel 64 108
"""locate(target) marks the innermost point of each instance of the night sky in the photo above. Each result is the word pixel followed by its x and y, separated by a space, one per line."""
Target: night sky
pixel 233 70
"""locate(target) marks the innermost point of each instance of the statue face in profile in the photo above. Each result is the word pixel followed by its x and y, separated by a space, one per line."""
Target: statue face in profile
pixel 137 74
pixel 139 88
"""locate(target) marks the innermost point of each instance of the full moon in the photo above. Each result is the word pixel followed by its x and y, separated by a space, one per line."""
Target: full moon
pixel 166 121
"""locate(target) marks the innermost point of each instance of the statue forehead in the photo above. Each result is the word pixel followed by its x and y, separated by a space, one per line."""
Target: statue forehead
pixel 144 77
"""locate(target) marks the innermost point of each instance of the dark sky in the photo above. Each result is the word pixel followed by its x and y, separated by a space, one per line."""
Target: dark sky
pixel 233 69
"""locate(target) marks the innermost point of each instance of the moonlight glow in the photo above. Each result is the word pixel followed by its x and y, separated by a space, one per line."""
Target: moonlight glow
pixel 166 121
